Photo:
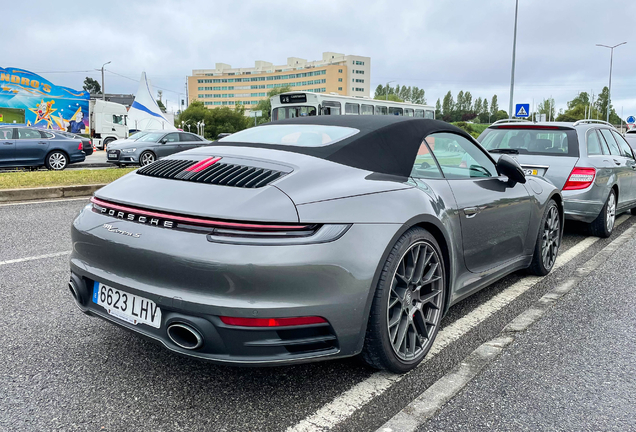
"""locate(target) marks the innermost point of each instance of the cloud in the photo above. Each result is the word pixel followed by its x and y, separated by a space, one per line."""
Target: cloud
pixel 435 45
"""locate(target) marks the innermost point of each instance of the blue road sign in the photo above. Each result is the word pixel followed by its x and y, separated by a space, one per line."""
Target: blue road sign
pixel 522 110
pixel 631 119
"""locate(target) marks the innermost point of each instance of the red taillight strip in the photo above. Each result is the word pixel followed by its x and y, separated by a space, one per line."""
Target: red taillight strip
pixel 205 222
pixel 272 322
pixel 201 165
pixel 526 127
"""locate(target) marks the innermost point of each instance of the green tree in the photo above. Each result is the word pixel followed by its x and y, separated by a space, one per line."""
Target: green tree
pixel 438 109
pixel 162 107
pixel 468 101
pixel 547 107
pixel 448 107
pixel 392 97
pixel 494 106
pixel 217 120
pixel 577 109
pixel 265 105
pixel 478 107
pixel 601 107
pixel 581 99
pixel 418 96
pixel 92 86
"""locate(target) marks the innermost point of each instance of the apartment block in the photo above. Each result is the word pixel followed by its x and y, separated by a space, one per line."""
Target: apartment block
pixel 347 75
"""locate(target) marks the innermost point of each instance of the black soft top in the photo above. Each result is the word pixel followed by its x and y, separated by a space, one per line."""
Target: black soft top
pixel 385 144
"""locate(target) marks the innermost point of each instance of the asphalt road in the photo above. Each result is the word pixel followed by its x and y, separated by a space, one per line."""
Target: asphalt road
pixel 61 370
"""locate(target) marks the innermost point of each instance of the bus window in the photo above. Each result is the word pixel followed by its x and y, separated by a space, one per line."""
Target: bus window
pixel 429 114
pixel 396 111
pixel 351 108
pixel 330 108
pixel 367 109
pixel 380 110
pixel 408 112
pixel 419 113
pixel 283 113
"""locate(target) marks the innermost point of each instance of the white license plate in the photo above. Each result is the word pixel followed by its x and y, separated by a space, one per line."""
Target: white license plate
pixel 112 156
pixel 127 307
pixel 530 172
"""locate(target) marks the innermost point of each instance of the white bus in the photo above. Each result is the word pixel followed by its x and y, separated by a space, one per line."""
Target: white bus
pixel 300 104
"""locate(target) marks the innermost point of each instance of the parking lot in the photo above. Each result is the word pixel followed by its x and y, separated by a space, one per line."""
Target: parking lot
pixel 61 370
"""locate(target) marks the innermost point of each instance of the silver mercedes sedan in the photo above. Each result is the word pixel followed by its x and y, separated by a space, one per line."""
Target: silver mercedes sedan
pixel 589 161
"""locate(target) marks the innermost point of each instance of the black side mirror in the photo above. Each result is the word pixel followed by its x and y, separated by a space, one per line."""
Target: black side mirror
pixel 163 140
pixel 510 168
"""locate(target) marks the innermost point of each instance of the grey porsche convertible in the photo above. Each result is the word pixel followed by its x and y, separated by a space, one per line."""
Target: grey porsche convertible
pixel 311 238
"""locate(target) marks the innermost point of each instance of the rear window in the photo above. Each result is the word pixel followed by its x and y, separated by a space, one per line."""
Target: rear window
pixel 534 141
pixel 292 135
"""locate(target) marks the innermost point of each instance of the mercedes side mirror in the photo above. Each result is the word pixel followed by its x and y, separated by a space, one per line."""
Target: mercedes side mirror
pixel 510 168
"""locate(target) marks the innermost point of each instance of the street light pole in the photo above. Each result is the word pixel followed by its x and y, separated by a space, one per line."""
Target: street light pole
pixel 514 53
pixel 103 89
pixel 609 91
pixel 386 93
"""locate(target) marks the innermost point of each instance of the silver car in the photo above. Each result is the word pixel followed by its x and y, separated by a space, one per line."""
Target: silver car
pixel 588 160
pixel 311 238
pixel 151 146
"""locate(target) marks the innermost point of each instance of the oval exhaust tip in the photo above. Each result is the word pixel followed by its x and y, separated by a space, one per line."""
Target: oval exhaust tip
pixel 73 289
pixel 185 336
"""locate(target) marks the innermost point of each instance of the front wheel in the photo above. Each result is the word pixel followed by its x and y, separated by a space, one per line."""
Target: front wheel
pixel 56 161
pixel 408 304
pixel 548 241
pixel 146 158
pixel 603 225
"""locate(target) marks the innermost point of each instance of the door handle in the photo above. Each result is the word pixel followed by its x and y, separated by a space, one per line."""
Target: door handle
pixel 616 162
pixel 42 142
pixel 471 212
pixel 8 143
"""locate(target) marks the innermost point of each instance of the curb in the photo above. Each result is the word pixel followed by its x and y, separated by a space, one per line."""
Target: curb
pixel 9 195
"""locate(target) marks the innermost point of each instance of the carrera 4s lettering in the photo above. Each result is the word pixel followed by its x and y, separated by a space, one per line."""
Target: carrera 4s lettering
pixel 116 230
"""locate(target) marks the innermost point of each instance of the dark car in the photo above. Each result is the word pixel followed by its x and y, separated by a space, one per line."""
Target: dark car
pixel 311 238
pixel 86 142
pixel 146 148
pixel 33 147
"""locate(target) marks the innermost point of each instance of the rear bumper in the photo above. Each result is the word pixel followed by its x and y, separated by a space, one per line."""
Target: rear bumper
pixel 584 206
pixel 195 281
pixel 77 157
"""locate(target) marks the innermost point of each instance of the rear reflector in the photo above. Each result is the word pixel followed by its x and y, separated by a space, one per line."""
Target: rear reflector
pixel 580 178
pixel 272 322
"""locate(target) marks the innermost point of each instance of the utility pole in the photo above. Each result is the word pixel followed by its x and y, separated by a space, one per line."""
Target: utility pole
pixel 514 53
pixel 609 91
pixel 103 89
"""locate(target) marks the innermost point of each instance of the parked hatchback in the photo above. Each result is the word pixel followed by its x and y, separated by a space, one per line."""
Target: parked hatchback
pixel 588 160
pixel 33 147
pixel 152 146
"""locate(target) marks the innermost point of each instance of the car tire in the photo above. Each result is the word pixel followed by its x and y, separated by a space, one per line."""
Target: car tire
pixel 106 142
pixel 146 158
pixel 56 161
pixel 633 211
pixel 603 225
pixel 408 304
pixel 548 241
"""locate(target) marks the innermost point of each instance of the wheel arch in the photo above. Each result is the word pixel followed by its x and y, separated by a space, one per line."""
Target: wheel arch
pixel 437 230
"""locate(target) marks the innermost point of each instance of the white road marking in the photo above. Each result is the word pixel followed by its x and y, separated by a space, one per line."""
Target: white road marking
pixel 32 258
pixel 42 201
pixel 347 403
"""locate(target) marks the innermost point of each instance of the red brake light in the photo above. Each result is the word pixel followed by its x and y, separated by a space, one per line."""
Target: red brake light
pixel 525 126
pixel 272 322
pixel 81 146
pixel 580 178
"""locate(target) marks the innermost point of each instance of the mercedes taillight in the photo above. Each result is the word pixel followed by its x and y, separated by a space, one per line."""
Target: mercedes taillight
pixel 580 178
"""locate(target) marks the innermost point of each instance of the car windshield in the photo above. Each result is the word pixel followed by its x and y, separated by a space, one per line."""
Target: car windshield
pixel 534 141
pixel 151 137
pixel 292 135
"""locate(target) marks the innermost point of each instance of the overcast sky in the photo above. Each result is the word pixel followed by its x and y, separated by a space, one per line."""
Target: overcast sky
pixel 436 45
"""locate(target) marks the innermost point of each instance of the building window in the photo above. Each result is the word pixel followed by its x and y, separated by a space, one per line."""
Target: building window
pixel 339 79
pixel 358 72
pixel 339 70
pixel 340 88
pixel 359 63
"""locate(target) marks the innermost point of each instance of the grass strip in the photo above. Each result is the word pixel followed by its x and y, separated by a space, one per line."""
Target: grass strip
pixel 33 179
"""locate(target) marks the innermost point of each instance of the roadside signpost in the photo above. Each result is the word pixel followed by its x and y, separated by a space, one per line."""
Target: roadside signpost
pixel 522 110
pixel 255 114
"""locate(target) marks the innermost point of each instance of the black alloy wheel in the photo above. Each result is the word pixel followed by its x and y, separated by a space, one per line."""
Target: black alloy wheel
pixel 548 241
pixel 408 305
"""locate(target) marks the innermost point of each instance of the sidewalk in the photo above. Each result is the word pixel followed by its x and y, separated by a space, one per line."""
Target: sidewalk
pixel 575 369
